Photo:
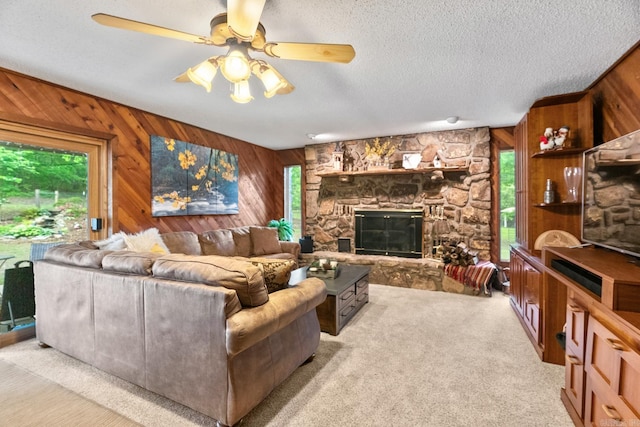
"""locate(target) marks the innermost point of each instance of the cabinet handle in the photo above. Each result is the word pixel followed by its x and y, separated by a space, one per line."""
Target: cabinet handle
pixel 532 302
pixel 575 308
pixel 615 344
pixel 611 412
pixel 573 360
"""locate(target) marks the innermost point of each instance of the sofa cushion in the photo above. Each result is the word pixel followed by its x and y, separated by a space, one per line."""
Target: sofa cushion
pixel 264 240
pixel 146 241
pixel 75 254
pixel 242 276
pixel 130 262
pixel 182 242
pixel 217 242
pixel 276 272
pixel 242 239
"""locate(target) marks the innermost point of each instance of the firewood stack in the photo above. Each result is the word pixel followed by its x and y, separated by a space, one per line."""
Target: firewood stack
pixel 457 253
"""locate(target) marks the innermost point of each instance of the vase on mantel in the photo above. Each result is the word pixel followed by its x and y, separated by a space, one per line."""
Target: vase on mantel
pixel 378 163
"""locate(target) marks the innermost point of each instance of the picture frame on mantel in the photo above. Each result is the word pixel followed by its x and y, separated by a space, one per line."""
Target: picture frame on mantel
pixel 190 179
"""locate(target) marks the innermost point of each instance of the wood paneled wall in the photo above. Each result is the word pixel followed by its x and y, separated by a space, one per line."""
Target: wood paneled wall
pixel 260 183
pixel 616 96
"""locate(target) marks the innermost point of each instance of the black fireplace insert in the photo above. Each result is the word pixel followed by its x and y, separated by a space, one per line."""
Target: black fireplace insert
pixel 389 232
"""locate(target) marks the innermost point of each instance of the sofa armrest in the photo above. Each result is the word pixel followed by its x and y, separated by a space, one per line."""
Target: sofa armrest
pixel 291 248
pixel 251 325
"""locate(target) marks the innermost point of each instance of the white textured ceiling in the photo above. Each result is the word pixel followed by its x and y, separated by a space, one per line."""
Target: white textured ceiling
pixel 417 61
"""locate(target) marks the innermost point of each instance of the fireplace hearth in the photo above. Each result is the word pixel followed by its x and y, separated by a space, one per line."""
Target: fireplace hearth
pixel 389 232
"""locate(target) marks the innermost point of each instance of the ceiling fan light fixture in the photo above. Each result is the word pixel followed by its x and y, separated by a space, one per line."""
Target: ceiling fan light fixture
pixel 271 79
pixel 235 66
pixel 241 92
pixel 203 73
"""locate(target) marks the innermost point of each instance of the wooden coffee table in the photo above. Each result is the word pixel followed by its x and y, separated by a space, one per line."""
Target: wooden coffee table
pixel 346 294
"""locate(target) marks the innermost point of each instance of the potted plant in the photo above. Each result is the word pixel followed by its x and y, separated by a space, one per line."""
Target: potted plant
pixel 285 228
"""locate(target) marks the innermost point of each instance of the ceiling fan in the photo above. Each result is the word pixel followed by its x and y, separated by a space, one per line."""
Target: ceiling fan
pixel 241 31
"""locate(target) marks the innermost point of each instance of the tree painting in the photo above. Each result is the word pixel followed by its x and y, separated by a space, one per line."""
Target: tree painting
pixel 189 179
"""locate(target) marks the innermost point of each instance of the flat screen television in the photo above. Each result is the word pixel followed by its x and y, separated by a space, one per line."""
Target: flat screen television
pixel 611 195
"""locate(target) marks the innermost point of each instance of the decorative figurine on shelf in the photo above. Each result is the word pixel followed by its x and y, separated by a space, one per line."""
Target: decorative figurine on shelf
pixel 437 163
pixel 547 140
pixel 563 134
pixel 554 139
pixel 338 156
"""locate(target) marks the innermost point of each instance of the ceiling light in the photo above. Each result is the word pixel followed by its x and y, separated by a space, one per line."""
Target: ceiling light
pixel 203 73
pixel 241 92
pixel 452 119
pixel 271 79
pixel 240 30
pixel 235 66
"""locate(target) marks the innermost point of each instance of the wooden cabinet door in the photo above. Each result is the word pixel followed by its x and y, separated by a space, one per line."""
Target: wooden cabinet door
pixel 531 300
pixel 613 379
pixel 517 281
pixel 576 336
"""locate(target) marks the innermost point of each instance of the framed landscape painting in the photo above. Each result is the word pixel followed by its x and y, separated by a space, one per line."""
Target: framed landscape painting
pixel 189 179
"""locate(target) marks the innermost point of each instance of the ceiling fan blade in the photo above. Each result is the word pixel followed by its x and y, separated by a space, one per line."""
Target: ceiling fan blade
pixel 311 51
pixel 243 17
pixel 128 24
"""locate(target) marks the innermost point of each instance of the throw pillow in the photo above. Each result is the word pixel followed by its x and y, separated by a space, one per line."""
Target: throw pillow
pixel 242 240
pixel 182 242
pixel 114 243
pixel 265 240
pixel 276 272
pixel 146 241
pixel 217 242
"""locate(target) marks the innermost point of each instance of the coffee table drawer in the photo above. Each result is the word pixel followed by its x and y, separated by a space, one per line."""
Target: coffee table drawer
pixel 347 310
pixel 345 297
pixel 362 291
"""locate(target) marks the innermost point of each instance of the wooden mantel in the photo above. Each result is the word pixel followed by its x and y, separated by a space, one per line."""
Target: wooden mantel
pixel 392 172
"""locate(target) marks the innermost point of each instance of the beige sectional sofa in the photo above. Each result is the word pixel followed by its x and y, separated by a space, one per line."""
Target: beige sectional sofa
pixel 202 330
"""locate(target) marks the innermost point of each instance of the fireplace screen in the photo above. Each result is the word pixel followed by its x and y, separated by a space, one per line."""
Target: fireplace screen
pixel 393 233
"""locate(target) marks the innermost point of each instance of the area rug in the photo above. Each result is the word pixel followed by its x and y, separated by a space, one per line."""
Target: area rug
pixel 30 400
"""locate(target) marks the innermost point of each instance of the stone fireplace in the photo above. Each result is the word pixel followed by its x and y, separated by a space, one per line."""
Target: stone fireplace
pixel 459 193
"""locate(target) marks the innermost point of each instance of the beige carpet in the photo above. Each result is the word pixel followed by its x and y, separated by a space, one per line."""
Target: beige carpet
pixel 408 358
pixel 30 400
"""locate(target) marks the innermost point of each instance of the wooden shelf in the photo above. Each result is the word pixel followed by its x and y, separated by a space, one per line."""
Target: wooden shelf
pixel 559 152
pixel 393 172
pixel 557 204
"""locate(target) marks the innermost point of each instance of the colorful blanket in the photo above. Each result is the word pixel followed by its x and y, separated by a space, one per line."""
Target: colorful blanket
pixel 476 276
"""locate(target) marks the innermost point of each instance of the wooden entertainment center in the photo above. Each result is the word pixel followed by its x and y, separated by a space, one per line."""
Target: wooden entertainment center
pixel 534 302
pixel 602 369
pixel 593 294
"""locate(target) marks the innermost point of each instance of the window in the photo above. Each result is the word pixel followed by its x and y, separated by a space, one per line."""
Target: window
pixel 293 199
pixel 52 182
pixel 507 203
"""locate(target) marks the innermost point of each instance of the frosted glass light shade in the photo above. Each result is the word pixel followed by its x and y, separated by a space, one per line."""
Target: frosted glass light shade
pixel 235 67
pixel 241 92
pixel 203 74
pixel 272 80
